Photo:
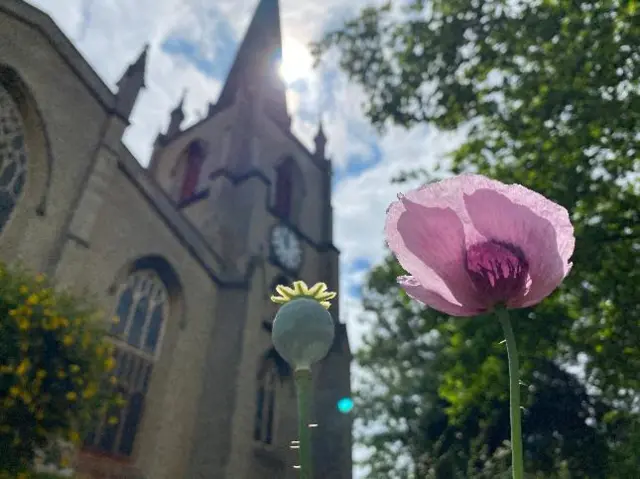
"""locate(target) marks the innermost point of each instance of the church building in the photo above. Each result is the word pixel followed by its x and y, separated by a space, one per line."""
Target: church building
pixel 185 252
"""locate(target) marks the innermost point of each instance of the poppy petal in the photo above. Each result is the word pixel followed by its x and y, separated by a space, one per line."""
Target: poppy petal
pixel 428 239
pixel 434 300
pixel 523 218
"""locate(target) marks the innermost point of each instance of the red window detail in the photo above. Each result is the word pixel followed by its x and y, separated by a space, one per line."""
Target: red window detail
pixel 284 187
pixel 195 158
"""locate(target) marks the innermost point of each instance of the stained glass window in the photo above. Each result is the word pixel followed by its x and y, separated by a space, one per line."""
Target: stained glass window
pixel 284 189
pixel 142 309
pixel 265 404
pixel 13 157
pixel 195 158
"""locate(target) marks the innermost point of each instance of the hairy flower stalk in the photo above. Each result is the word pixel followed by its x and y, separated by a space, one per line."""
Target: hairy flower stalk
pixel 302 379
pixel 472 245
pixel 517 463
pixel 303 332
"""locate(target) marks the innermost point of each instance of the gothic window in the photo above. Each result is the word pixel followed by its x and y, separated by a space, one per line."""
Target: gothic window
pixel 284 189
pixel 195 158
pixel 13 157
pixel 142 309
pixel 266 403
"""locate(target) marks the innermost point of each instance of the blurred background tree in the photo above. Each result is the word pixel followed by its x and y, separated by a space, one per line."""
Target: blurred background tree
pixel 548 93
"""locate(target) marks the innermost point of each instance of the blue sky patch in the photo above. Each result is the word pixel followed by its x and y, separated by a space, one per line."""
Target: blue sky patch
pixel 329 81
pixel 359 163
pixel 355 290
pixel 299 86
pixel 212 56
pixel 360 264
pixel 87 18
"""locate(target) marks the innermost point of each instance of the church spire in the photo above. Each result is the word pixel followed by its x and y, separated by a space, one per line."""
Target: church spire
pixel 130 84
pixel 257 64
pixel 177 117
pixel 320 140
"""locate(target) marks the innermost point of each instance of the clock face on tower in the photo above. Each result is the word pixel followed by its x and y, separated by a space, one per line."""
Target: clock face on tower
pixel 286 247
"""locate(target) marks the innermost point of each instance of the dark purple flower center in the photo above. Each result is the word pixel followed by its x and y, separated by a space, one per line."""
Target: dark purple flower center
pixel 498 271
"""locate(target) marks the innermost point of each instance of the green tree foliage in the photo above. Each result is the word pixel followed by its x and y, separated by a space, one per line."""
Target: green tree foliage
pixel 54 365
pixel 437 390
pixel 549 93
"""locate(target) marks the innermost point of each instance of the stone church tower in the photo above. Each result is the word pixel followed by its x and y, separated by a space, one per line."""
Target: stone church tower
pixel 186 252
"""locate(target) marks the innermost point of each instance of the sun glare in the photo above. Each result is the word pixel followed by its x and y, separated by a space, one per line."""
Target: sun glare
pixel 297 62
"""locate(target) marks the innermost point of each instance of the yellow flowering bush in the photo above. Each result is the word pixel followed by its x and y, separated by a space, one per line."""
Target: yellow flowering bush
pixel 54 368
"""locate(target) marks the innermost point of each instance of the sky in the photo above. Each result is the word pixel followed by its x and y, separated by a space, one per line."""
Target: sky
pixel 192 45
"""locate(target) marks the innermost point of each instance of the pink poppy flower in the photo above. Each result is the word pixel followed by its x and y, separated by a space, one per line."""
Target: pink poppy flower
pixel 470 243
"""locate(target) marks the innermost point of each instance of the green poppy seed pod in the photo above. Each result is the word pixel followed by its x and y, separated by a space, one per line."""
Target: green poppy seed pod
pixel 303 332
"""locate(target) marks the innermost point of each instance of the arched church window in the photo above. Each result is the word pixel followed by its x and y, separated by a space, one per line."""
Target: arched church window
pixel 13 157
pixel 266 403
pixel 194 160
pixel 284 188
pixel 141 309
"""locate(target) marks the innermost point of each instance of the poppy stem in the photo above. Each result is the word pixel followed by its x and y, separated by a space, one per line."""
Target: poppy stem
pixel 514 392
pixel 302 379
